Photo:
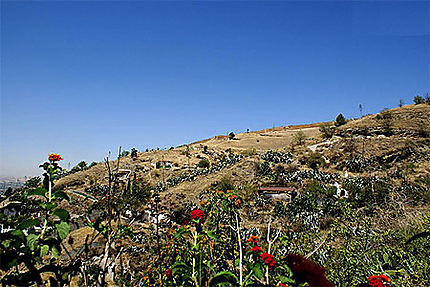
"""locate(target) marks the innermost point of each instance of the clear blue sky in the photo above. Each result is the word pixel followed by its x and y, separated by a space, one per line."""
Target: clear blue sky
pixel 82 78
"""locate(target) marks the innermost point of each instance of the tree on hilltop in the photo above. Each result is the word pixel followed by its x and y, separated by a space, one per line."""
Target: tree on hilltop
pixel 340 120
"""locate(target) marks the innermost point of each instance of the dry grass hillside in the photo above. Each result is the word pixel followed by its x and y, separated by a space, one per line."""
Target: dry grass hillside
pixel 360 137
pixel 370 173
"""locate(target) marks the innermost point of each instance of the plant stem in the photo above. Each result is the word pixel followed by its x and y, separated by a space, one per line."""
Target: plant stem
pixel 49 189
pixel 45 224
pixel 268 250
pixel 193 274
pixel 240 250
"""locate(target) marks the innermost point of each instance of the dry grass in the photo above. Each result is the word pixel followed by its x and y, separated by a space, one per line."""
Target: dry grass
pixel 407 118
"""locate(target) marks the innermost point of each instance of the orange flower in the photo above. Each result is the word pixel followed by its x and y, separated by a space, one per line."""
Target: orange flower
pixel 253 239
pixel 54 157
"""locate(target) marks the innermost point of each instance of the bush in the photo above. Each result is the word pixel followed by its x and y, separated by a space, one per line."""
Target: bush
pixel 315 160
pixel 33 182
pixel 249 151
pixel 124 153
pixel 263 169
pixel 427 99
pixel 419 100
pixel 92 164
pixel 387 121
pixel 423 131
pixel 327 130
pixel 279 210
pixel 38 230
pixel 133 153
pixel 340 120
pixel 204 163
pixel 231 136
pixel 299 138
pixel 225 184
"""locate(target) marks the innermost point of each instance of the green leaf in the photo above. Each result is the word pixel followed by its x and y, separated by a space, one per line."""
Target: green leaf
pixel 63 229
pixel 31 241
pixel 212 235
pixel 224 277
pixel 286 269
pixel 27 223
pixel 245 281
pixel 62 214
pixel 236 262
pixel 386 259
pixel 180 266
pixel 61 194
pixel 258 270
pixel 12 262
pixel 48 205
pixel 44 250
pixel 286 280
pixel 44 165
pixel 37 191
pixel 18 233
pixel 54 252
pixel 6 243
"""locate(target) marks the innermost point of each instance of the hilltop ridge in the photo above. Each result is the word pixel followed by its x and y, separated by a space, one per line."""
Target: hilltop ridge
pixel 176 170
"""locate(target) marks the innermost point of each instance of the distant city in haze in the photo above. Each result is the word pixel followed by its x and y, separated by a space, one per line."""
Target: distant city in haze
pixel 82 78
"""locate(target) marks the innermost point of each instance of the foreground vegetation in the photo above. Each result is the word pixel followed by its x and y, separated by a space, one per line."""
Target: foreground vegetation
pixel 375 236
pixel 358 214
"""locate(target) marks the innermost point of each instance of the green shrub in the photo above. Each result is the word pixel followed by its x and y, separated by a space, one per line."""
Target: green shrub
pixel 340 120
pixel 299 138
pixel 204 163
pixel 386 118
pixel 37 250
pixel 33 182
pixel 124 153
pixel 327 130
pixel 423 131
pixel 419 100
pixel 133 153
pixel 263 169
pixel 315 160
pixel 225 183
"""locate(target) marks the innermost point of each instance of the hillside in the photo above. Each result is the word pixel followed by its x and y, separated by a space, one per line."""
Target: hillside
pixel 357 137
pixel 355 197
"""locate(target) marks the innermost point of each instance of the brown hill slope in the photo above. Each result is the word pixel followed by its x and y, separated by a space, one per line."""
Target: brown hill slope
pixel 362 137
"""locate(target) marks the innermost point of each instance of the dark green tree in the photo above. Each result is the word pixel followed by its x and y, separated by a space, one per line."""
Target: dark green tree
pixel 418 100
pixel 340 120
pixel 133 153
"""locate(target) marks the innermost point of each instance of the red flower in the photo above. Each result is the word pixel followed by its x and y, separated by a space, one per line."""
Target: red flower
pixel 168 273
pixel 379 280
pixel 197 214
pixel 54 157
pixel 283 285
pixel 268 259
pixel 256 249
